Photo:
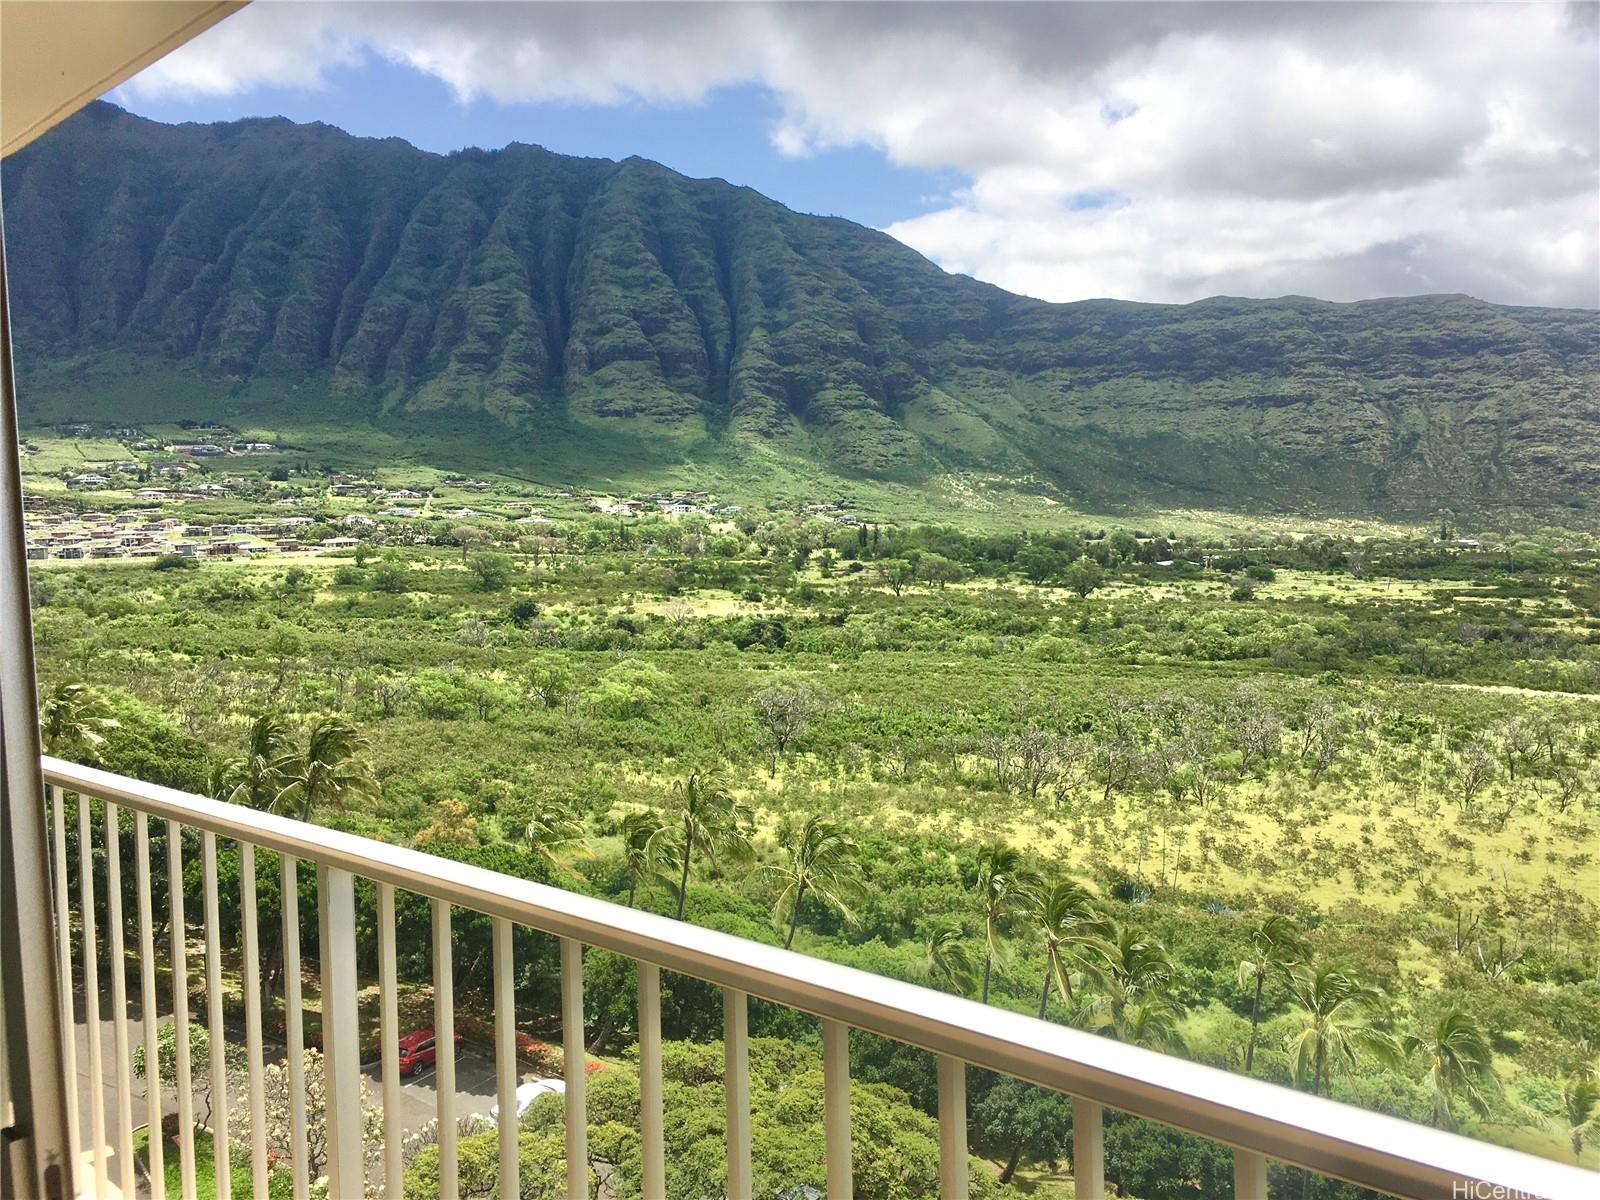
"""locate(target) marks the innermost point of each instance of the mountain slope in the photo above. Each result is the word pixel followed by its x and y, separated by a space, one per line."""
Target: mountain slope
pixel 625 301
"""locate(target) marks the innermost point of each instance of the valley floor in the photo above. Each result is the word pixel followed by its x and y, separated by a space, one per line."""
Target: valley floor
pixel 1392 742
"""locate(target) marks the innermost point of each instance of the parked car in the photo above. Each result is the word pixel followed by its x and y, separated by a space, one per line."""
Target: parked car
pixel 418 1049
pixel 530 1091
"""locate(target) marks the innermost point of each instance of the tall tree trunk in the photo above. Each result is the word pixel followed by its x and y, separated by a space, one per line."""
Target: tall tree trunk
pixel 271 968
pixel 602 1035
pixel 633 886
pixel 1255 1017
pixel 683 882
pixel 988 961
pixel 1011 1163
pixel 1316 1086
pixel 794 917
pixel 1044 993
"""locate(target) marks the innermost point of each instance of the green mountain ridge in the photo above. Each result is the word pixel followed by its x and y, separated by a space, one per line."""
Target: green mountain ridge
pixel 572 301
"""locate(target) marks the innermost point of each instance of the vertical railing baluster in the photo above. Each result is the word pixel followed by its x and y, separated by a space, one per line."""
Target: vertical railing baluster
pixel 116 951
pixel 952 1128
pixel 836 1108
pixel 736 1081
pixel 8 1110
pixel 69 1021
pixel 1088 1149
pixel 572 1061
pixel 154 1156
pixel 293 1027
pixel 341 1038
pixel 444 1041
pixel 215 1021
pixel 252 1021
pixel 91 997
pixel 652 1127
pixel 183 1081
pixel 389 1035
pixel 1249 1175
pixel 505 1057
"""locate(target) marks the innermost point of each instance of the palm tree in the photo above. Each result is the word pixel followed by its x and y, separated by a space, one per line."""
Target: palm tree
pixel 73 722
pixel 554 827
pixel 253 779
pixel 1460 1063
pixel 330 771
pixel 819 859
pixel 1002 884
pixel 219 778
pixel 1336 1013
pixel 1580 1104
pixel 1152 1022
pixel 1066 914
pixel 1276 944
pixel 642 832
pixel 947 955
pixel 1133 976
pixel 709 821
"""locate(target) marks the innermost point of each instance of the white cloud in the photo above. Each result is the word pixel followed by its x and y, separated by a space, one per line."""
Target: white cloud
pixel 1342 150
pixel 253 49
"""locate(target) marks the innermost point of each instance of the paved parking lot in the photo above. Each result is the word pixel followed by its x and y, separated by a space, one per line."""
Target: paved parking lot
pixel 419 1095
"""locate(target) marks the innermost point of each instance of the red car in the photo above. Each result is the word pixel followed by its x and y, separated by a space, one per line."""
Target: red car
pixel 417 1050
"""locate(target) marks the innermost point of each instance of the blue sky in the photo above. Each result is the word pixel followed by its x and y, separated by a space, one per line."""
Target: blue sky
pixel 727 135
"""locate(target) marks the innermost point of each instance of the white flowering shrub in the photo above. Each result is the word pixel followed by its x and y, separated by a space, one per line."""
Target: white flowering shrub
pixel 279 1128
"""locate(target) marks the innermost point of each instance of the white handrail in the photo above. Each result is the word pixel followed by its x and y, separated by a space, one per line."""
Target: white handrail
pixel 1375 1151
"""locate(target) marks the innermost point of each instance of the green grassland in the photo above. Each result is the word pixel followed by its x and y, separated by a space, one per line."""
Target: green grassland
pixel 548 455
pixel 534 469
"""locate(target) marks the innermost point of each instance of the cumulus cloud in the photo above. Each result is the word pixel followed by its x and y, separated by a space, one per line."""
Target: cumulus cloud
pixel 1160 152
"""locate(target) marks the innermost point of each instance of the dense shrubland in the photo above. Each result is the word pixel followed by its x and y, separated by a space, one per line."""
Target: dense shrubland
pixel 1279 808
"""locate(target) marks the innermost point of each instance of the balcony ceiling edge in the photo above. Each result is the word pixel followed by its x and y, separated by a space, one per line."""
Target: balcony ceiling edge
pixel 55 58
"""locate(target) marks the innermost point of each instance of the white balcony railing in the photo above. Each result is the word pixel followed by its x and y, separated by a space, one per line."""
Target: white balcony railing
pixel 1260 1121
